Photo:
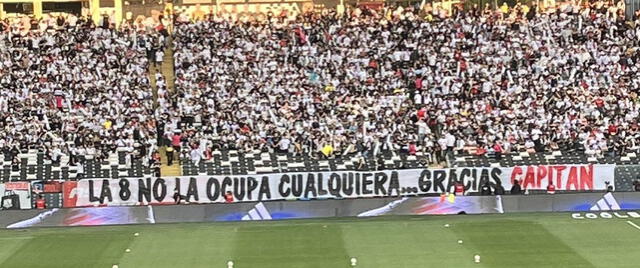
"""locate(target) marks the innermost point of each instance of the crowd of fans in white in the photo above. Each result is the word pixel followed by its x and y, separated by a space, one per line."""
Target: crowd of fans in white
pixel 514 79
pixel 362 82
pixel 70 88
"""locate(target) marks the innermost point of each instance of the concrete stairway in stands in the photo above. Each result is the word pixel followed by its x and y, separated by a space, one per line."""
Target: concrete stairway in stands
pixel 167 72
pixel 165 169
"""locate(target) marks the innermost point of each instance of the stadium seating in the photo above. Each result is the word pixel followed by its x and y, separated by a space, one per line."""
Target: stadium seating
pixel 232 162
pixel 34 166
pixel 432 116
pixel 625 176
pixel 541 158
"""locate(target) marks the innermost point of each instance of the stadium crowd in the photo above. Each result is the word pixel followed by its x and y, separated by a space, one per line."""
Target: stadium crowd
pixel 401 80
pixel 72 89
pixel 512 79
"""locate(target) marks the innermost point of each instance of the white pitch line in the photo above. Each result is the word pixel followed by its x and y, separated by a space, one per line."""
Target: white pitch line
pixel 634 225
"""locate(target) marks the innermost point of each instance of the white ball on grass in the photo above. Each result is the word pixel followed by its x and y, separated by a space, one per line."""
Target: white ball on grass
pixel 354 261
pixel 459 241
pixel 230 264
pixel 476 258
pixel 114 266
pixel 446 225
pixel 127 250
pixel 136 234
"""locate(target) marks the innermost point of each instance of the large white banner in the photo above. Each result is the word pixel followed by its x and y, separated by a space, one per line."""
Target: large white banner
pixel 339 184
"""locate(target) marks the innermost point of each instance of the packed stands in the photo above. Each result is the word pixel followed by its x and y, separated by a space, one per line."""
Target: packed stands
pixel 367 89
pixel 75 99
pixel 405 82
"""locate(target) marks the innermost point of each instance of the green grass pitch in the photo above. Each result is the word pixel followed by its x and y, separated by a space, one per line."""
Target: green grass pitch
pixel 515 240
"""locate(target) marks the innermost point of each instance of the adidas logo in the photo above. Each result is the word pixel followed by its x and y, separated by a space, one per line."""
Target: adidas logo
pixel 607 202
pixel 257 213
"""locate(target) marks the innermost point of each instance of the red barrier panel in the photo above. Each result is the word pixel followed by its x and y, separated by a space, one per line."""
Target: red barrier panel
pixel 52 187
pixel 69 194
pixel 17 186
